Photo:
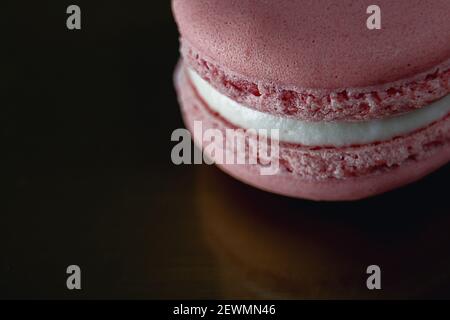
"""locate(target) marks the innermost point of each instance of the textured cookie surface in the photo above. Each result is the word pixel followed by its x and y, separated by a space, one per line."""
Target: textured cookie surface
pixel 316 60
pixel 318 43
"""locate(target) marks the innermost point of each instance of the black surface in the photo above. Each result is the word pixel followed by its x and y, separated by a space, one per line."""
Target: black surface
pixel 86 119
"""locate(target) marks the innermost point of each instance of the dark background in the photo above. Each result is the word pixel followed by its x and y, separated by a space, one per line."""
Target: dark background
pixel 86 120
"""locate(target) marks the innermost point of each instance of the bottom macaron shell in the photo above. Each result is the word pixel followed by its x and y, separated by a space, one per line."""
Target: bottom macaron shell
pixel 351 187
pixel 334 190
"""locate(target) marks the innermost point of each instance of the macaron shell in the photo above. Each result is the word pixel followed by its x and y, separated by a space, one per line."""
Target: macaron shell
pixel 318 43
pixel 349 104
pixel 337 190
pixel 362 185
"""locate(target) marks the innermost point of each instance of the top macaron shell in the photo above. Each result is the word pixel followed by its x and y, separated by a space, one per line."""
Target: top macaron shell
pixel 319 44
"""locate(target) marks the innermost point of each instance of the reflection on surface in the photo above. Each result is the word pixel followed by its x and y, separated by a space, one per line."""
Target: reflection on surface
pixel 274 247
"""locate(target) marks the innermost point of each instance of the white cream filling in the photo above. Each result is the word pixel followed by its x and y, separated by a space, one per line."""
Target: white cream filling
pixel 311 133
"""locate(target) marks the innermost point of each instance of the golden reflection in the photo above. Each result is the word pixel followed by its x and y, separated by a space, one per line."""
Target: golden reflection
pixel 269 246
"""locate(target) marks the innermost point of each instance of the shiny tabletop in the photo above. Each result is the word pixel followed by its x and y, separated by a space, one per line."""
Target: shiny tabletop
pixel 88 180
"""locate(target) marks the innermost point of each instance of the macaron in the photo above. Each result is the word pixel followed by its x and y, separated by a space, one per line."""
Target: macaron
pixel 357 112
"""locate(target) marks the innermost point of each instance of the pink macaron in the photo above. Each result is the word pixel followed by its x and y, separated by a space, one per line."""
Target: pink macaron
pixel 357 112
